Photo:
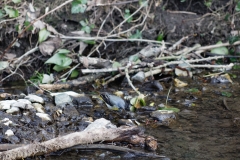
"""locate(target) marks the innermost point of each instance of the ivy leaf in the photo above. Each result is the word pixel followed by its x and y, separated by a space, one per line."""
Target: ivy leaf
pixel 60 59
pixel 63 51
pixel 12 13
pixel 43 35
pixel 116 64
pixel 60 68
pixel 78 7
pixel 16 1
pixel 220 50
pixel 237 8
pixel 137 35
pixel 1 14
pixel 127 16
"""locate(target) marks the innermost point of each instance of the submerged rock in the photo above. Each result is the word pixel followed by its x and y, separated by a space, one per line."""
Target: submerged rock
pixel 163 115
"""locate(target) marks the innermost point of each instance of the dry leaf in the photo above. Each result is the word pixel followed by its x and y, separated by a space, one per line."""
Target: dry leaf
pixel 179 83
pixel 49 46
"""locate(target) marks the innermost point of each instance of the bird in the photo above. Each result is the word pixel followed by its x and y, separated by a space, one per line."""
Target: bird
pixel 114 102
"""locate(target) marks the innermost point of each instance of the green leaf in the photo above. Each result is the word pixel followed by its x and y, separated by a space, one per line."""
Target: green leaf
pixel 89 42
pixel 226 94
pixel 160 37
pixel 60 68
pixel 233 39
pixel 26 23
pixel 83 23
pixel 1 14
pixel 127 16
pixel 133 58
pixel 60 59
pixel 43 35
pixel 237 8
pixel 12 13
pixel 86 29
pixel 74 73
pixel 16 1
pixel 193 90
pixel 63 51
pixel 3 65
pixel 220 50
pixel 78 7
pixel 116 64
pixel 137 35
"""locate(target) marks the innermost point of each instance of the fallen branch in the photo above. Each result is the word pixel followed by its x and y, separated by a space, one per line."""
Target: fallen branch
pixel 99 130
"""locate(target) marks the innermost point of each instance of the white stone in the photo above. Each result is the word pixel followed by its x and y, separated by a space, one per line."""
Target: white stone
pixel 12 110
pixel 9 132
pixel 34 98
pixel 6 104
pixel 44 116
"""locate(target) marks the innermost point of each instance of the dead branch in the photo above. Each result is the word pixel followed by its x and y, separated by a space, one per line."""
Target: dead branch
pixel 99 130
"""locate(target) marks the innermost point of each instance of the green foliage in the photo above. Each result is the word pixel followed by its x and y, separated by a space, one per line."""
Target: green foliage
pixel 43 35
pixel 60 60
pixel 208 3
pixel 116 64
pixel 16 1
pixel 86 27
pixel 160 36
pixel 127 16
pixel 78 6
pixel 26 23
pixel 233 39
pixel 193 90
pixel 1 14
pixel 226 94
pixel 137 35
pixel 220 50
pixel 37 77
pixel 237 8
pixel 143 3
pixel 12 13
pixel 74 74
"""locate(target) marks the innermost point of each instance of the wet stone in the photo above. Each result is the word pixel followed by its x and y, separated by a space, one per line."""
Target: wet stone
pixel 163 115
pixel 70 111
pixel 83 101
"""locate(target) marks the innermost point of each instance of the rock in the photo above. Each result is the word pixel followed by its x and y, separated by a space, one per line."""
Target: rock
pixel 62 99
pixel 9 132
pixel 83 101
pixel 34 98
pixel 70 111
pixel 70 93
pixel 100 123
pixel 140 77
pixel 44 116
pixel 13 110
pixel 163 115
pixel 38 107
pixel 6 104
